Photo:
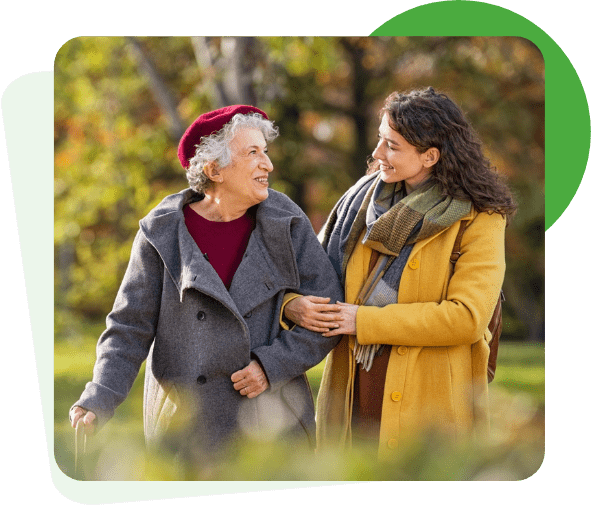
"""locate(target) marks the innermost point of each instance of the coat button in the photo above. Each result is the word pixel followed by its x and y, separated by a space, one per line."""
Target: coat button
pixel 392 443
pixel 248 314
pixel 396 396
pixel 201 379
pixel 402 350
pixel 414 263
pixel 201 315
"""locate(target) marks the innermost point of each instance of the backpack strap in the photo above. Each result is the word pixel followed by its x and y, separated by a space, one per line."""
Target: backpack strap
pixel 455 254
pixel 495 325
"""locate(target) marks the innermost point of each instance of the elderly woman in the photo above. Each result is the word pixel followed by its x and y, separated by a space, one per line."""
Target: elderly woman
pixel 416 355
pixel 201 300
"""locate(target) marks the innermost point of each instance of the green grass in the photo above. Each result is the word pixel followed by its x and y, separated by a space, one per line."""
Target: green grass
pixel 520 370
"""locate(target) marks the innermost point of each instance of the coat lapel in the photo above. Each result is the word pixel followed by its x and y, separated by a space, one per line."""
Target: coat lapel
pixel 264 270
pixel 262 273
pixel 422 243
pixel 197 273
pixel 258 278
pixel 165 229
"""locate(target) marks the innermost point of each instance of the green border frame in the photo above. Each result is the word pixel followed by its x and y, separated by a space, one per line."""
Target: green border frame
pixel 27 106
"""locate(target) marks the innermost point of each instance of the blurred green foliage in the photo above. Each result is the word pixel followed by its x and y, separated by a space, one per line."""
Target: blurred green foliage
pixel 515 450
pixel 121 105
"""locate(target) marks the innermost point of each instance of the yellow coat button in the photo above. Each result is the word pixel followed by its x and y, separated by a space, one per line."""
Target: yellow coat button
pixel 396 396
pixel 392 443
pixel 414 263
pixel 402 350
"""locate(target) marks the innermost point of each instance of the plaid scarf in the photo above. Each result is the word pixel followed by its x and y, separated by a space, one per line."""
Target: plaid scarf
pixel 394 222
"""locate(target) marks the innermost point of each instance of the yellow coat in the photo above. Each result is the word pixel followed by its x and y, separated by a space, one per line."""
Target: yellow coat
pixel 436 375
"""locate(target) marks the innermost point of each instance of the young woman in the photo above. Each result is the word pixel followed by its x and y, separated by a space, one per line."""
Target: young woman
pixel 416 353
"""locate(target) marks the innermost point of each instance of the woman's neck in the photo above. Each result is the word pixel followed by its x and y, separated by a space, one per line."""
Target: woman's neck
pixel 216 207
pixel 411 187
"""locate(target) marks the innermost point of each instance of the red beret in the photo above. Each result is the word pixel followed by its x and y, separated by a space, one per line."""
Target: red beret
pixel 209 123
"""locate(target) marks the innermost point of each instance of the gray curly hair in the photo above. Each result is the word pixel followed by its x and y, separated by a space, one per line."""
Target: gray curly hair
pixel 216 147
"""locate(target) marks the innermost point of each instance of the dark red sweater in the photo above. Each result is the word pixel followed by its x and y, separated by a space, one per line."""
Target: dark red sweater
pixel 224 243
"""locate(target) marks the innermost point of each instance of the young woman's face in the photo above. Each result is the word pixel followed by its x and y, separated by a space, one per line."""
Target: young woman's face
pixel 399 160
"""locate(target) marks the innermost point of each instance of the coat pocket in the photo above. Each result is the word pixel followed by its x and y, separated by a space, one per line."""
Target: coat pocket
pixel 297 396
pixel 270 416
pixel 163 404
pixel 169 408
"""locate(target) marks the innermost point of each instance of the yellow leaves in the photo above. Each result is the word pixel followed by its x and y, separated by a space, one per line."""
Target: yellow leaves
pixel 65 158
pixel 67 230
pixel 95 59
pixel 303 55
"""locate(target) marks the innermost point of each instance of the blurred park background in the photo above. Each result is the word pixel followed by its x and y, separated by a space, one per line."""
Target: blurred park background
pixel 121 106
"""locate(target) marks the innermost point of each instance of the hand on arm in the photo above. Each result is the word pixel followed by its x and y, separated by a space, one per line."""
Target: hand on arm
pixel 297 349
pixel 313 313
pixel 348 320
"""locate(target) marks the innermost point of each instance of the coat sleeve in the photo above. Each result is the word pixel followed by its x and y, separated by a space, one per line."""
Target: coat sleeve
pixel 472 294
pixel 131 325
pixel 297 350
pixel 323 237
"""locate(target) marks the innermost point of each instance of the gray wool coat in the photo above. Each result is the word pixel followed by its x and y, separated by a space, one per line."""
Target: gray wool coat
pixel 173 310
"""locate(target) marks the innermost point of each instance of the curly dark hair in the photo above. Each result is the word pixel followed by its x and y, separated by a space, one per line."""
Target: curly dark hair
pixel 426 118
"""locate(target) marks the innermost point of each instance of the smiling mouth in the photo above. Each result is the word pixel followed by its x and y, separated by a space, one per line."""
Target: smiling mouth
pixel 262 180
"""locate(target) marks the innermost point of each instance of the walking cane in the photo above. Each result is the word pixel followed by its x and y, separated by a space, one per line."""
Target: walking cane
pixel 79 447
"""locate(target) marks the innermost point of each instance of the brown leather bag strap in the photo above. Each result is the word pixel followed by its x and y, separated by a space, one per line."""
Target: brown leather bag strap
pixel 495 325
pixel 455 254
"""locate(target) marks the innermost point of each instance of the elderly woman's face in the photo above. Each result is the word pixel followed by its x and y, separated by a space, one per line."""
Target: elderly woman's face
pixel 246 178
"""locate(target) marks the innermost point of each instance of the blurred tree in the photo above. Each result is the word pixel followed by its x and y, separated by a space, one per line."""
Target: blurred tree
pixel 122 104
pixel 160 90
pixel 230 62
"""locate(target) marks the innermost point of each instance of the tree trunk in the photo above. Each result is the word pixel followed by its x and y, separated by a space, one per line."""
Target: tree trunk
pixel 162 94
pixel 229 67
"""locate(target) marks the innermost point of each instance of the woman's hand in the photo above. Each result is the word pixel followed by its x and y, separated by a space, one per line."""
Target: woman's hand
pixel 313 313
pixel 88 418
pixel 251 381
pixel 348 320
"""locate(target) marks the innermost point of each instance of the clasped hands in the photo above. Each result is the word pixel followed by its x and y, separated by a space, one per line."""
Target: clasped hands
pixel 317 314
